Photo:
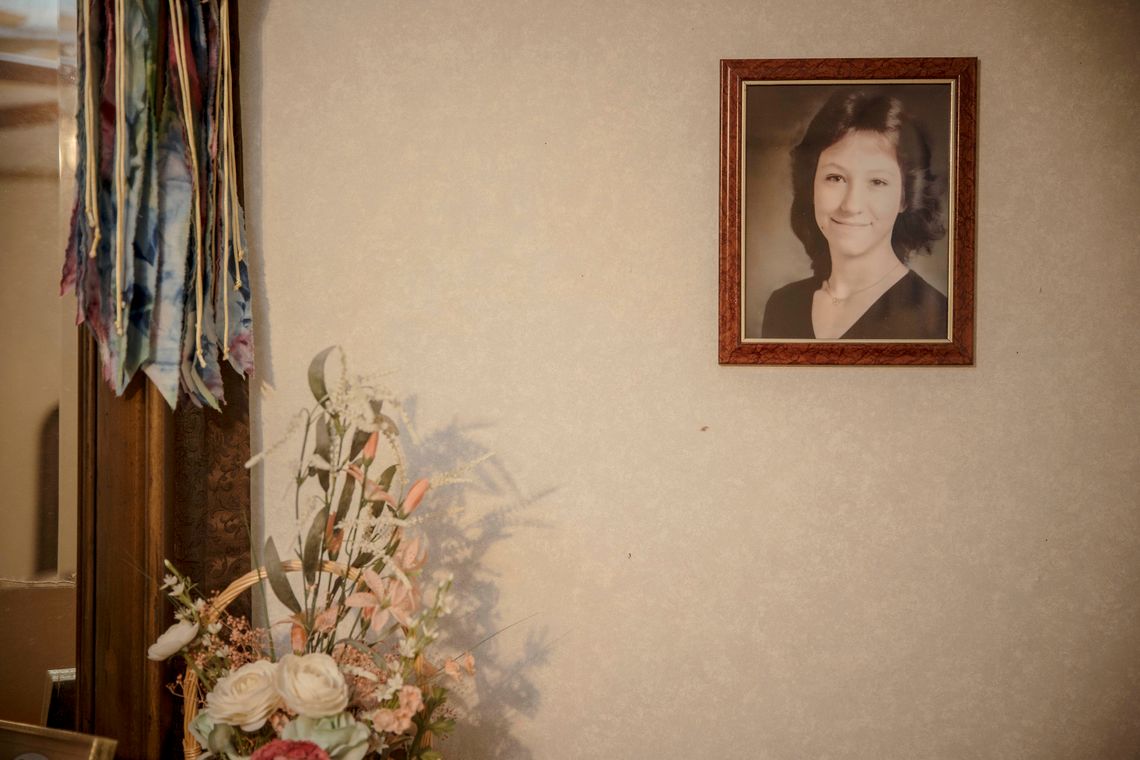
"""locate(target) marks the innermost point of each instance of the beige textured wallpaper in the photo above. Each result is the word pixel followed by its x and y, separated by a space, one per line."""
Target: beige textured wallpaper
pixel 512 206
pixel 31 335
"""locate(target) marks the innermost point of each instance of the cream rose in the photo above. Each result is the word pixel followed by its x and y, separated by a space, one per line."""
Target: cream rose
pixel 172 640
pixel 312 685
pixel 246 697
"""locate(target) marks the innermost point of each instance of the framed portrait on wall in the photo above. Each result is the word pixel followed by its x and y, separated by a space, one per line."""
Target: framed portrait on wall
pixel 847 211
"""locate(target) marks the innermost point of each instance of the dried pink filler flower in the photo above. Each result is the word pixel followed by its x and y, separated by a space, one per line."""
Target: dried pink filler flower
pixel 281 749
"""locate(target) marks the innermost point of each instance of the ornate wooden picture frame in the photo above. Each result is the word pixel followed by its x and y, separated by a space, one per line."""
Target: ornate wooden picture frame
pixel 847 203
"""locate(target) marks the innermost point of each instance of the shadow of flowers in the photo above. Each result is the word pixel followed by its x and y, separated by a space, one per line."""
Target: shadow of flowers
pixel 464 522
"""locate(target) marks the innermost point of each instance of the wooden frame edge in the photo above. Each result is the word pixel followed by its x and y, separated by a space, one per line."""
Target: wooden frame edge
pixel 959 350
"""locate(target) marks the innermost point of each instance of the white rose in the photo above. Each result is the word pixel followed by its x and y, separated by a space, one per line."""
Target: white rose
pixel 246 697
pixel 312 685
pixel 171 642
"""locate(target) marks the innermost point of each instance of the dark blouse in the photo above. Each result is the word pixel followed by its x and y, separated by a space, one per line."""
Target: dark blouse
pixel 910 310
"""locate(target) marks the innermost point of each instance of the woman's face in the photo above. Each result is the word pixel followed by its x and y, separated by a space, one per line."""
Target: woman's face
pixel 858 193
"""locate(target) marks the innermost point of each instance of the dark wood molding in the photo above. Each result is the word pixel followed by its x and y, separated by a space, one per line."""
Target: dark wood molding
pixel 125 511
pixel 85 658
pixel 154 484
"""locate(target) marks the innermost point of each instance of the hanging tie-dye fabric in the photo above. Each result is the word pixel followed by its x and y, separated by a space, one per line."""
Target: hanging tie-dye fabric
pixel 156 254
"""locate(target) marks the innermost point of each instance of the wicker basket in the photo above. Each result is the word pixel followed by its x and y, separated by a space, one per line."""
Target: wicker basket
pixel 190 748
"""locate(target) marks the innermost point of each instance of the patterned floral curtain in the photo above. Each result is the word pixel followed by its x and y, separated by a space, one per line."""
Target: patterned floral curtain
pixel 156 254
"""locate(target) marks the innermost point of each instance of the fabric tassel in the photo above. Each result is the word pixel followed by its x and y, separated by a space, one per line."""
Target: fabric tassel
pixel 155 253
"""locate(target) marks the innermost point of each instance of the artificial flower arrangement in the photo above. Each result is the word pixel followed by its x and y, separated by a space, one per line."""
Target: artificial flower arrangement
pixel 352 678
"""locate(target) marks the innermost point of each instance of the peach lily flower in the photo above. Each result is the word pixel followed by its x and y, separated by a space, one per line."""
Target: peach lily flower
pixel 384 597
pixel 372 489
pixel 411 556
pixel 415 495
pixel 369 451
pixel 326 619
pixel 297 634
pixel 334 536
pixel 452 667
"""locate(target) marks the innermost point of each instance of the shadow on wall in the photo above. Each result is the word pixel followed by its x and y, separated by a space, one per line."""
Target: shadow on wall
pixel 464 522
pixel 47 495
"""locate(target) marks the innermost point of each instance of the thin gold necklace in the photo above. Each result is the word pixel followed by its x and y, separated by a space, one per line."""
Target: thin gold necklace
pixel 836 300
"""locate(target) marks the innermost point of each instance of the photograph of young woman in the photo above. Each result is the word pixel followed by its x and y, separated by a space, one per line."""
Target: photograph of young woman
pixel 867 200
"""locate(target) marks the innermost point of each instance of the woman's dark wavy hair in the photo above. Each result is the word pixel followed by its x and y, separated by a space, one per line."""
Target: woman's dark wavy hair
pixel 919 223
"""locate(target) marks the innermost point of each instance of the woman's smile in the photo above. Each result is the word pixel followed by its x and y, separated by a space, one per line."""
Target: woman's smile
pixel 858 193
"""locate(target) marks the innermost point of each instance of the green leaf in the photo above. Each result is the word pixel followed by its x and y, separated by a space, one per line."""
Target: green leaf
pixel 430 754
pixel 363 559
pixel 323 448
pixel 277 580
pixel 385 484
pixel 345 502
pixel 359 438
pixel 342 508
pixel 442 727
pixel 322 443
pixel 317 376
pixel 385 481
pixel 311 557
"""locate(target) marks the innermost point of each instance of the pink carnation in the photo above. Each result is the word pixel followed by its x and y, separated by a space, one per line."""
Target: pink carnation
pixel 399 721
pixel 388 722
pixel 411 700
pixel 281 749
